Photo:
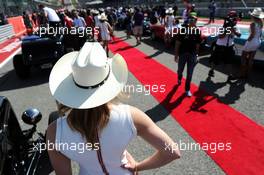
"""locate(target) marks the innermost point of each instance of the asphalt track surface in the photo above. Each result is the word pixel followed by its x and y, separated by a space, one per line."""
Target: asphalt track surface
pixel 246 97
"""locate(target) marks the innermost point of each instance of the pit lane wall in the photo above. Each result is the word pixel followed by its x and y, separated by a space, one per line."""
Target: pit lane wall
pixel 14 28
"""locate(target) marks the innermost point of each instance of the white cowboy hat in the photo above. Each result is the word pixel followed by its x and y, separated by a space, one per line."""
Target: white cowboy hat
pixel 87 79
pixel 96 12
pixel 103 17
pixel 169 11
pixel 258 13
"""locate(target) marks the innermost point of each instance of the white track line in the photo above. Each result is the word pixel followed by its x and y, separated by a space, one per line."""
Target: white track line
pixel 10 57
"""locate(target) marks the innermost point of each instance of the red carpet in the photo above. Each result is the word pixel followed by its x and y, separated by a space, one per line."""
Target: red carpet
pixel 203 116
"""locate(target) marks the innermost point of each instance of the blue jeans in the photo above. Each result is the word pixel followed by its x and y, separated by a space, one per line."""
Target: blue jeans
pixel 191 60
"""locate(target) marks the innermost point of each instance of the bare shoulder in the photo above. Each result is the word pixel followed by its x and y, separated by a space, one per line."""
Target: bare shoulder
pixel 140 119
pixel 51 131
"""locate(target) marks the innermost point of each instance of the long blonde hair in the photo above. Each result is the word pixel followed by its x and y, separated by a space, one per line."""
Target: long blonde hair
pixel 88 122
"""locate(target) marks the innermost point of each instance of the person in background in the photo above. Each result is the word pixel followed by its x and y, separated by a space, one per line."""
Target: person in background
pixel 186 11
pixel 50 15
pixel 212 9
pixel 67 19
pixel 96 17
pixel 224 48
pixel 253 42
pixel 128 24
pixel 169 26
pixel 175 10
pixel 187 49
pixel 138 25
pixel 89 19
pixel 90 23
pixel 61 15
pixel 105 32
pixel 34 18
pixel 27 20
pixel 92 116
pixel 3 19
pixel 79 23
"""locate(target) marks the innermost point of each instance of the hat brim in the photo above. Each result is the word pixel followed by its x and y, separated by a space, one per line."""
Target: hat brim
pixel 261 16
pixel 65 91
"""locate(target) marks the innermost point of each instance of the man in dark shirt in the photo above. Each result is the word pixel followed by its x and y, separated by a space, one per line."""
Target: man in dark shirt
pixel 138 25
pixel 187 47
pixel 212 8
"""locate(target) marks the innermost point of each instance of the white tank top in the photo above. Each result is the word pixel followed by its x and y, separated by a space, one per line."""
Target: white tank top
pixel 114 140
pixel 170 21
pixel 258 32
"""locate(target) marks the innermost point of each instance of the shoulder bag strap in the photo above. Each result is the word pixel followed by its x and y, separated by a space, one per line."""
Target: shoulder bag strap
pixel 99 156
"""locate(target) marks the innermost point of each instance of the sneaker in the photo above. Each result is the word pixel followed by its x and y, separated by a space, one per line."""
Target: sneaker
pixel 211 73
pixel 188 93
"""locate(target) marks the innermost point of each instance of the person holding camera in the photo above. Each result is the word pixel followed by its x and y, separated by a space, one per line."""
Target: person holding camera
pixel 223 51
pixel 187 47
pixel 253 42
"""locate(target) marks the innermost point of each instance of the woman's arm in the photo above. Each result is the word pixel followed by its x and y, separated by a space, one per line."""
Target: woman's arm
pixel 166 148
pixel 60 163
pixel 252 32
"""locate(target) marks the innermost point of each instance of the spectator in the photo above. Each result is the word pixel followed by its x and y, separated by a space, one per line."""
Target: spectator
pixel 50 15
pixel 138 25
pixel 212 9
pixel 186 11
pixel 95 17
pixel 169 26
pixel 3 19
pixel 187 49
pixel 34 18
pixel 128 24
pixel 27 21
pixel 253 42
pixel 89 19
pixel 224 49
pixel 78 21
pixel 175 10
pixel 105 32
pixel 67 19
pixel 97 123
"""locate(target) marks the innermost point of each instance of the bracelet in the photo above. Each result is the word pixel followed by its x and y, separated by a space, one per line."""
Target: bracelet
pixel 136 170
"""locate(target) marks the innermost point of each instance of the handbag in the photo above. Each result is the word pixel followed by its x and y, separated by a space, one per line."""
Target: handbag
pixel 100 157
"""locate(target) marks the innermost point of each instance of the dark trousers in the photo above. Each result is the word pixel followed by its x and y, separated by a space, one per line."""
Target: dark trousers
pixel 190 60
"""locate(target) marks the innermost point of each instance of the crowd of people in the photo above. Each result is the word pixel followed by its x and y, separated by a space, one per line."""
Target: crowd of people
pixel 132 19
pixel 94 116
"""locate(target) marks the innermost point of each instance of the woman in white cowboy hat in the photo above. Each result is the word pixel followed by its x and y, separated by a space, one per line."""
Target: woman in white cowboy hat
pixel 85 82
pixel 105 31
pixel 253 42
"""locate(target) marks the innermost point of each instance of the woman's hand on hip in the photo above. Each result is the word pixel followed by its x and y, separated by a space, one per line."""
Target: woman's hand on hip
pixel 131 164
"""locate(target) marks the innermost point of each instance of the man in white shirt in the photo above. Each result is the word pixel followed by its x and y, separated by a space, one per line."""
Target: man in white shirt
pixel 51 15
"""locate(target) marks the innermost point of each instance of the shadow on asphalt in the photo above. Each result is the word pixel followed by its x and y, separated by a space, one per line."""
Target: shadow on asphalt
pixel 255 79
pixel 164 108
pixel 201 98
pixel 10 81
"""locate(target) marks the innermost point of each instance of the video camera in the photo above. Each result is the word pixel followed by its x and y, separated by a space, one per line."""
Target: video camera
pixel 230 21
